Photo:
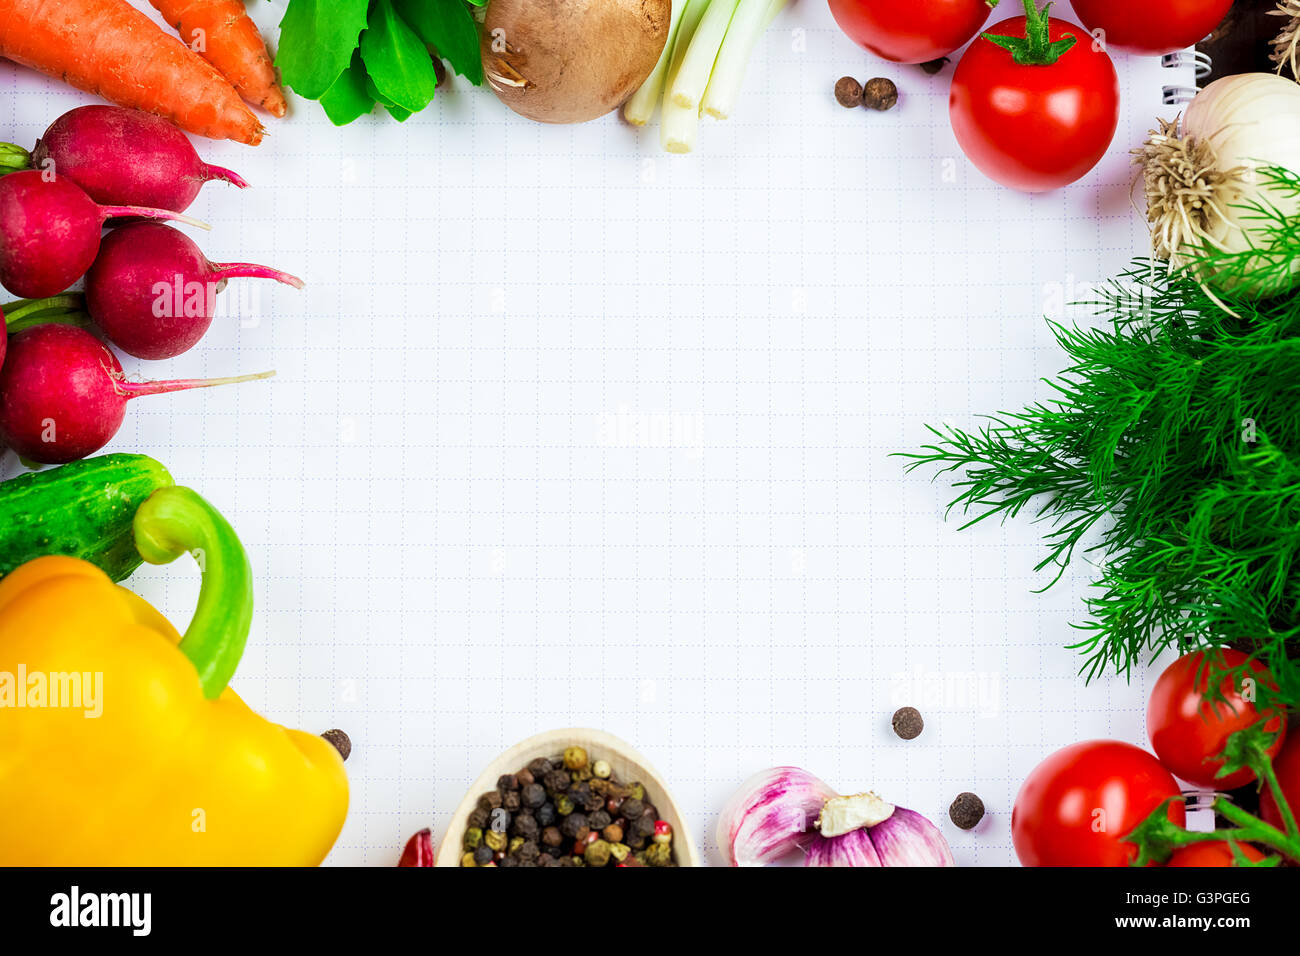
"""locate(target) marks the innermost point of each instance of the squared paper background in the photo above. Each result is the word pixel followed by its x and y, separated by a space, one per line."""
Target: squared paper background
pixel 571 432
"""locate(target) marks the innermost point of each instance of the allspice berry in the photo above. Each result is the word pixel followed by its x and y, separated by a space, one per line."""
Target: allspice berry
pixel 879 94
pixel 934 66
pixel 848 92
pixel 908 723
pixel 966 811
pixel 340 741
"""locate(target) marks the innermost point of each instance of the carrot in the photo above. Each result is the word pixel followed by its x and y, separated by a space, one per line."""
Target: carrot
pixel 109 48
pixel 222 33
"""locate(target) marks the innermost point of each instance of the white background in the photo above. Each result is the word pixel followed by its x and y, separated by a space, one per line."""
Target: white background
pixel 468 519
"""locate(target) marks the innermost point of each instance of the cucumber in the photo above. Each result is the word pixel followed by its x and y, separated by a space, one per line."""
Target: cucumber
pixel 82 510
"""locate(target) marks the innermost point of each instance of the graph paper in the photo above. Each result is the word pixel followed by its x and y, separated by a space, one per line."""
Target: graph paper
pixel 567 431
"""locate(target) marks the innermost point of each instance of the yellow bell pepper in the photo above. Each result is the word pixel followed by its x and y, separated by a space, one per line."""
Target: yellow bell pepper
pixel 120 743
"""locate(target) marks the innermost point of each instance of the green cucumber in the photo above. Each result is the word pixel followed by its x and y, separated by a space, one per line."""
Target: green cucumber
pixel 82 510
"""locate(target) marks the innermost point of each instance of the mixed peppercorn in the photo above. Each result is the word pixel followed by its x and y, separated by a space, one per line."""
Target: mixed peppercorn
pixel 566 811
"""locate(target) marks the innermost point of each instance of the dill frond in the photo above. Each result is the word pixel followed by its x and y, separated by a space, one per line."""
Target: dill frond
pixel 1170 450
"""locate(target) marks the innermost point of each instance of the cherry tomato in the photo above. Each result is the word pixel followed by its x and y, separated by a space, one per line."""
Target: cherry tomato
pixel 1187 731
pixel 911 31
pixel 1034 127
pixel 1212 854
pixel 1151 26
pixel 1286 765
pixel 1076 806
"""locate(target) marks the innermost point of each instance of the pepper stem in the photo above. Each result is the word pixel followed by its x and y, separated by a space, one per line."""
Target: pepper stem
pixel 13 158
pixel 175 521
pixel 1036 47
pixel 66 309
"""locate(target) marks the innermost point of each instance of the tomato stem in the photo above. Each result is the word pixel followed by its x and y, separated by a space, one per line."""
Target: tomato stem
pixel 1036 47
pixel 1157 836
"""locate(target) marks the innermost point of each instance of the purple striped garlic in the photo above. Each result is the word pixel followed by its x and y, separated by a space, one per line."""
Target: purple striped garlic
pixel 783 809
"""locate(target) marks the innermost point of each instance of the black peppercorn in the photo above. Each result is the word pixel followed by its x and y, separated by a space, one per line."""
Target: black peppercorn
pixel 546 814
pixel 529 851
pixel 552 836
pixel 478 818
pixel 508 861
pixel 483 855
pixel 635 840
pixel 490 801
pixel 508 781
pixel 592 801
pixel 511 801
pixel 644 825
pixel 908 723
pixel 540 767
pixel 525 825
pixel 599 820
pixel 966 811
pixel 632 808
pixel 574 822
pixel 879 94
pixel 848 92
pixel 557 780
pixel 533 795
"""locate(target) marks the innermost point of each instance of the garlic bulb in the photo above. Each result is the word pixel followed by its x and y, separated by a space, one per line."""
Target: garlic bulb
pixel 1199 174
pixel 784 809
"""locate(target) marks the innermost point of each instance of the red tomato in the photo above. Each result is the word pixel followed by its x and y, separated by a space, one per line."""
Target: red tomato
pixel 1286 765
pixel 1187 731
pixel 1212 854
pixel 1034 128
pixel 1151 26
pixel 1076 806
pixel 913 31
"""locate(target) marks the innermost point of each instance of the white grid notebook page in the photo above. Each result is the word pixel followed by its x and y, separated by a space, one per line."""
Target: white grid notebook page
pixel 570 432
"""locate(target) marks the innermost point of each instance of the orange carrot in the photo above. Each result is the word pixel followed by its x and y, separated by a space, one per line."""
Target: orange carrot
pixel 109 48
pixel 222 33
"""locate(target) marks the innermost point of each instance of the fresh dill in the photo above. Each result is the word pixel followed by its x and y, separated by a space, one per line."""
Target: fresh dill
pixel 1170 452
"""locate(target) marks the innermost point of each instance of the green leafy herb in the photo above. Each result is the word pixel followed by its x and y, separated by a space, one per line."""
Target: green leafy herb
pixel 1170 456
pixel 317 38
pixel 353 54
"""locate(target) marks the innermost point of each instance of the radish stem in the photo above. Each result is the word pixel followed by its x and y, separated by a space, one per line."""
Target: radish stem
pixel 692 77
pixel 119 212
pixel 251 270
pixel 750 21
pixel 641 107
pixel 136 389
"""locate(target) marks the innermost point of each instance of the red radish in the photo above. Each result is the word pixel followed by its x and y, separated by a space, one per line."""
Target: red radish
pixel 50 232
pixel 152 292
pixel 123 157
pixel 63 394
pixel 4 338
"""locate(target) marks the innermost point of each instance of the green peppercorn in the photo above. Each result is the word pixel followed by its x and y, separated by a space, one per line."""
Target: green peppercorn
pixel 468 860
pixel 564 805
pixel 496 840
pixel 516 843
pixel 658 854
pixel 473 837
pixel 601 769
pixel 575 758
pixel 619 851
pixel 597 853
pixel 636 790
